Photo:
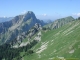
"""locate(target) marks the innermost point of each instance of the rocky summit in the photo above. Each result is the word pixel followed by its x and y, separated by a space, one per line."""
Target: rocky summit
pixel 19 24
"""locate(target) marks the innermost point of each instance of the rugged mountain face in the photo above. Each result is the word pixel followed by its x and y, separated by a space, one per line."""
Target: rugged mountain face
pixel 27 37
pixel 22 23
pixel 60 22
pixel 61 43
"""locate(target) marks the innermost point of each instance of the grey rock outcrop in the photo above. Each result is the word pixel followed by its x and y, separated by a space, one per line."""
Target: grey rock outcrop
pixel 20 24
pixel 60 22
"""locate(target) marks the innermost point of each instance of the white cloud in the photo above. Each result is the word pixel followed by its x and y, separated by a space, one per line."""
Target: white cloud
pixel 23 12
pixel 44 14
pixel 4 16
pixel 76 14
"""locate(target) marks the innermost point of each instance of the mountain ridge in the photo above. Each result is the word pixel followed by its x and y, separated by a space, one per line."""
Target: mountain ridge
pixel 21 23
pixel 59 22
pixel 61 43
pixel 58 44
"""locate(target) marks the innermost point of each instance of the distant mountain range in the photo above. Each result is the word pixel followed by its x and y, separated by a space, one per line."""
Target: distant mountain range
pixel 4 19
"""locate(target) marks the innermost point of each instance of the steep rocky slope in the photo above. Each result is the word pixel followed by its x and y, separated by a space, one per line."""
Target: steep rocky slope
pixel 20 24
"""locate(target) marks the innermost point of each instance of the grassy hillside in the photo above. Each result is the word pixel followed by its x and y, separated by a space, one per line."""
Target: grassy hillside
pixel 60 43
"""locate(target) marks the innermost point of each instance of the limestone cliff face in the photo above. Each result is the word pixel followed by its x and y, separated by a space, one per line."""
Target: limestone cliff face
pixel 60 22
pixel 11 29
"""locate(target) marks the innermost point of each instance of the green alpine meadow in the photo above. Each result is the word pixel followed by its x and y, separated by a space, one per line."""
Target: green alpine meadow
pixel 58 44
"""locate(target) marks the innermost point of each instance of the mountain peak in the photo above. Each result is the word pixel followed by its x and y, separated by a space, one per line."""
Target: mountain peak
pixel 29 15
pixel 69 17
pixel 29 12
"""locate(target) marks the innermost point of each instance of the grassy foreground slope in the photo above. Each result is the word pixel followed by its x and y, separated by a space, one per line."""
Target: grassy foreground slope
pixel 61 43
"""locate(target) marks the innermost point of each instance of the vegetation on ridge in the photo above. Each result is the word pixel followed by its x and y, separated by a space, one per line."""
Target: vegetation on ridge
pixel 61 43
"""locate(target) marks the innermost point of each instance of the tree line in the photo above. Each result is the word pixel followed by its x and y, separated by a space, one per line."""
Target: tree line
pixel 8 53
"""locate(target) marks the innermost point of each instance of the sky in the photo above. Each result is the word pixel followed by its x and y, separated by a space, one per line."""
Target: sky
pixel 43 9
